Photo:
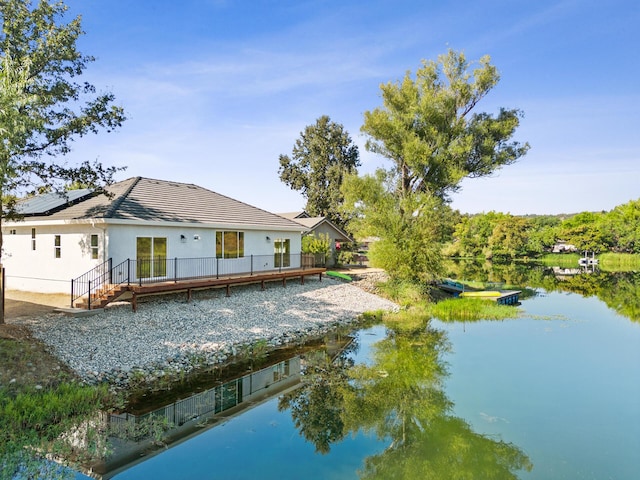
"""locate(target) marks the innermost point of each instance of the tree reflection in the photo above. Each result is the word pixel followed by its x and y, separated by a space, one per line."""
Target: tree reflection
pixel 316 407
pixel 620 291
pixel 448 448
pixel 399 396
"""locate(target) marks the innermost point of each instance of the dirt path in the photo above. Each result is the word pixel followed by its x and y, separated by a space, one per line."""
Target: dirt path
pixel 26 304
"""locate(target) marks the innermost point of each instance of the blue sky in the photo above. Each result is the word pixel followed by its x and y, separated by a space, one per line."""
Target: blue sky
pixel 216 90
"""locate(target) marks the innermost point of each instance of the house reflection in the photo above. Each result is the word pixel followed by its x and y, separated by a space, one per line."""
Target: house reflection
pixel 134 437
pixel 153 425
pixel 562 273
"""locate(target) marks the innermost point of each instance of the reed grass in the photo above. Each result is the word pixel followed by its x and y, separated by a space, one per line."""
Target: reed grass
pixel 619 262
pixel 409 319
pixel 472 309
pixel 404 293
pixel 564 260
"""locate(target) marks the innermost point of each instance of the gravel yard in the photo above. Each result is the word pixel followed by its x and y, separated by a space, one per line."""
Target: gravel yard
pixel 169 332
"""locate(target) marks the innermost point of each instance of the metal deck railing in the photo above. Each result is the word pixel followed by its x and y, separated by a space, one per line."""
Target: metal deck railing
pixel 105 279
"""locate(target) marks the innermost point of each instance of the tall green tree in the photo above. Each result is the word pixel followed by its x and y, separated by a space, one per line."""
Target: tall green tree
pixel 320 159
pixel 509 238
pixel 471 235
pixel 43 106
pixel 428 127
pixel 408 228
pixel 624 224
pixel 544 233
pixel 588 231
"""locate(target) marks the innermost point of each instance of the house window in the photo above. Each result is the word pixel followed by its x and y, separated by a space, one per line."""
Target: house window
pixel 282 252
pixel 56 248
pixel 33 239
pixel 229 244
pixel 94 247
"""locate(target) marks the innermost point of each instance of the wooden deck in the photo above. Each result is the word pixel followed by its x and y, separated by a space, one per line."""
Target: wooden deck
pixel 189 285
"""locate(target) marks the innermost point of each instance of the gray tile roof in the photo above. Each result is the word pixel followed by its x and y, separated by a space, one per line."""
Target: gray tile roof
pixel 314 222
pixel 294 215
pixel 310 222
pixel 146 199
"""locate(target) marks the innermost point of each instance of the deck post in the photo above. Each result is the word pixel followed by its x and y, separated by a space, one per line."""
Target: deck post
pixel 302 279
pixel 228 292
pixel 89 303
pixel 72 293
pixel 134 302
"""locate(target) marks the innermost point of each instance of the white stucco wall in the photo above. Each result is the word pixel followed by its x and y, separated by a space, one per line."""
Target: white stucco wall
pixel 38 270
pixel 198 241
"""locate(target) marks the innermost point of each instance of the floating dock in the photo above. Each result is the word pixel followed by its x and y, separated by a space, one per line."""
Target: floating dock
pixel 506 297
pixel 509 297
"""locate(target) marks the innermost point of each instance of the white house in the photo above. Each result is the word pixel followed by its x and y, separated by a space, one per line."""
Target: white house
pixel 160 223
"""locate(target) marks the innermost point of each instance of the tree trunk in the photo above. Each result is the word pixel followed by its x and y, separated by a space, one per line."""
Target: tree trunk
pixel 1 294
pixel 1 267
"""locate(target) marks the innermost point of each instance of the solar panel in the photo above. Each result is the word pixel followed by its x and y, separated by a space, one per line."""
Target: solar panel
pixel 41 204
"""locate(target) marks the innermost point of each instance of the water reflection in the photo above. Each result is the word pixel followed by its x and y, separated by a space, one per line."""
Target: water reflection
pixel 156 420
pixel 136 436
pixel 399 396
pixel 620 291
pixel 316 408
pixel 394 391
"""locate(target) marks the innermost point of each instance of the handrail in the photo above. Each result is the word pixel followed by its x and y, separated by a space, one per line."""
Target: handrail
pixel 105 279
pixel 153 270
pixel 89 281
pixel 95 279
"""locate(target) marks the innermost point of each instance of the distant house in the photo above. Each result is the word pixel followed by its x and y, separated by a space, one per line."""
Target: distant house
pixel 563 247
pixel 321 226
pixel 62 237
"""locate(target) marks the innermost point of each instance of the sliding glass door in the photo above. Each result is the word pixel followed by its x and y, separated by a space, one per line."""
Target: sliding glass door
pixel 151 253
pixel 281 252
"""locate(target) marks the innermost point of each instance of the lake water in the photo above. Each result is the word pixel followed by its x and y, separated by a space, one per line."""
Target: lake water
pixel 553 394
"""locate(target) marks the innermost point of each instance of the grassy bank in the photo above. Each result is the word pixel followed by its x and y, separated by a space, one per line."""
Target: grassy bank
pixel 619 262
pixel 40 400
pixel 421 302
pixel 564 260
pixel 608 262
pixel 471 309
